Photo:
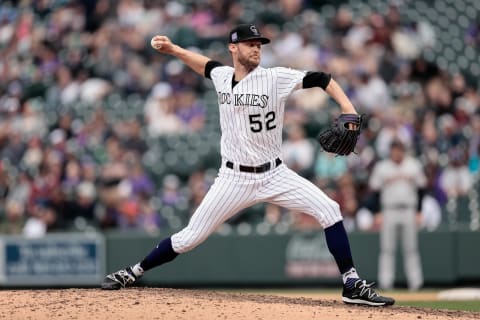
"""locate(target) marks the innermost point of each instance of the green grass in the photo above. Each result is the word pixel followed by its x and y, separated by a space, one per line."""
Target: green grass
pixel 467 305
pixel 451 305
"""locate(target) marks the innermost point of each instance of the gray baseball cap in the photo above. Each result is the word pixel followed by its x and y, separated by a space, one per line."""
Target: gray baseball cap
pixel 245 32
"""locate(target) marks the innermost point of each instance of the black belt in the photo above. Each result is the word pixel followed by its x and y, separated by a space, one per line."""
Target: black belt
pixel 258 169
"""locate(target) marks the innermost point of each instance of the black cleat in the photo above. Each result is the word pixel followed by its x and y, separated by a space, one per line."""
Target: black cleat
pixel 120 279
pixel 363 294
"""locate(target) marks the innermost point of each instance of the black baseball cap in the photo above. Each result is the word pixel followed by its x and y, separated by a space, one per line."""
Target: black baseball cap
pixel 245 32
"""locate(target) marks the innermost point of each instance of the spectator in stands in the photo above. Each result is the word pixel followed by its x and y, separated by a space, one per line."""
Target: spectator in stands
pixel 426 137
pixel 112 192
pixel 14 147
pixel 450 136
pixel 439 97
pixel 371 93
pixel 84 204
pixel 14 218
pixel 394 128
pixel 298 151
pixel 431 213
pixel 295 113
pixel 71 177
pixel 422 70
pixel 433 172
pixel 89 169
pixel 190 110
pixel 59 205
pixel 198 186
pixel 341 25
pixel 474 145
pixel 151 220
pixel 32 120
pixel 139 182
pixel 136 213
pixel 329 168
pixel 160 112
pixel 33 155
pixel 170 193
pixel 65 90
pixel 130 134
pixel 456 179
pixel 347 198
pixel 5 185
pixel 94 133
pixel 42 219
pixel 129 214
pixel 45 181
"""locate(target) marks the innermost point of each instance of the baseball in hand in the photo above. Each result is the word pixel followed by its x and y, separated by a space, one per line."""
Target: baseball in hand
pixel 155 45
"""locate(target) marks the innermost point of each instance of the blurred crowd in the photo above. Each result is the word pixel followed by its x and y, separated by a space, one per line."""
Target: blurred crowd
pixel 82 95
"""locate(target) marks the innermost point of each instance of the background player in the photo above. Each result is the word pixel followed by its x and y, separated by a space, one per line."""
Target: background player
pixel 251 104
pixel 398 180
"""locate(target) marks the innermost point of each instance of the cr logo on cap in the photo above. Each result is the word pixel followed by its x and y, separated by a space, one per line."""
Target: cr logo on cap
pixel 254 30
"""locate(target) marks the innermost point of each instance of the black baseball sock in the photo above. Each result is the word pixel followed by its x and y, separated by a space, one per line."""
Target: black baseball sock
pixel 339 247
pixel 162 253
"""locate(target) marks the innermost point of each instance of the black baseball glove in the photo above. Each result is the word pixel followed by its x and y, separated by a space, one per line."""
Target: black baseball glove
pixel 341 138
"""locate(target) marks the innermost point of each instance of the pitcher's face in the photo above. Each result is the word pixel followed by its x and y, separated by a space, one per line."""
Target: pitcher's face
pixel 248 53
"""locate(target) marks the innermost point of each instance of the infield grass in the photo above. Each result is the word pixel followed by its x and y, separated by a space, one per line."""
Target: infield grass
pixel 425 298
pixel 470 305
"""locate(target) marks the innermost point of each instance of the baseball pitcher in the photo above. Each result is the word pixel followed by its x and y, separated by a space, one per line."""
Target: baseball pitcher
pixel 251 103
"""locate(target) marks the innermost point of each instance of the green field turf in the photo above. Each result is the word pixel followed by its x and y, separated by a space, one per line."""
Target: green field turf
pixel 402 297
pixel 472 305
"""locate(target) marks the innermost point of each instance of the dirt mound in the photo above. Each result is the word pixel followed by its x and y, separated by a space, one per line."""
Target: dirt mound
pixel 165 304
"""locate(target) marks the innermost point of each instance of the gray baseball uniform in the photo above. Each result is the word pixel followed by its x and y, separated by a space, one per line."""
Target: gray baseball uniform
pixel 398 185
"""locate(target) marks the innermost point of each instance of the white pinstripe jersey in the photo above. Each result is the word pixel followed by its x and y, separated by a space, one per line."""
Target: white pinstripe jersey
pixel 251 114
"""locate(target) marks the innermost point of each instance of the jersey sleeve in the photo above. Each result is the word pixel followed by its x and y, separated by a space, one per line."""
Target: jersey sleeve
pixel 220 74
pixel 288 80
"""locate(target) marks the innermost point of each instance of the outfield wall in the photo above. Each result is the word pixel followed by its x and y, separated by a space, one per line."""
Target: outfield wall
pixel 448 258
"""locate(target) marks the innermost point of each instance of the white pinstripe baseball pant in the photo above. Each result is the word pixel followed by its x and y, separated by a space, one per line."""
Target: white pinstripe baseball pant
pixel 233 191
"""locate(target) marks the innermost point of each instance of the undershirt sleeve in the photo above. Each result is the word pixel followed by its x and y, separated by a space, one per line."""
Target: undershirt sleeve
pixel 316 79
pixel 209 67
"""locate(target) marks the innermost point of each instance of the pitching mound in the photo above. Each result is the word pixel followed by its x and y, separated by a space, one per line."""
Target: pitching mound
pixel 165 304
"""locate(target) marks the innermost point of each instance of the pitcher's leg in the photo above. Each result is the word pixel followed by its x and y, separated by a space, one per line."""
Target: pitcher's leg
pixel 294 192
pixel 225 198
pixel 222 201
pixel 290 190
